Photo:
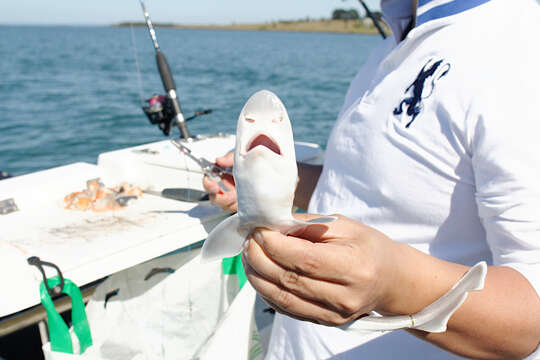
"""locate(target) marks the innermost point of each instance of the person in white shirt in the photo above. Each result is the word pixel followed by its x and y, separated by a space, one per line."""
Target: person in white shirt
pixel 434 165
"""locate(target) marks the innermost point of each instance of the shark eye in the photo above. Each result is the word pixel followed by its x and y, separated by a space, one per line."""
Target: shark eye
pixel 278 120
pixel 250 120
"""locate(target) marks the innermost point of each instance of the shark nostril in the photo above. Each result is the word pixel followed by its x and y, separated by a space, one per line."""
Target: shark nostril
pixel 278 120
pixel 250 120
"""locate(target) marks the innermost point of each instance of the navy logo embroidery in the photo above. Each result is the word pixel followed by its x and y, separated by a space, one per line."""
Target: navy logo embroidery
pixel 416 89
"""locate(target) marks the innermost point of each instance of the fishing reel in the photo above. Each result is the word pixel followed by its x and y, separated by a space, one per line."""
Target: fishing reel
pixel 160 111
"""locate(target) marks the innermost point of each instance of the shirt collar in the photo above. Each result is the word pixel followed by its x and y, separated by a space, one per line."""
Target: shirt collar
pixel 428 10
pixel 399 13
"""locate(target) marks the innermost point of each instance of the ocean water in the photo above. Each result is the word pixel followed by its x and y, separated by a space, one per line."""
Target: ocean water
pixel 70 93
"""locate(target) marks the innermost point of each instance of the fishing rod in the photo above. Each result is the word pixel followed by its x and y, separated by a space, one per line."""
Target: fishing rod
pixel 166 78
pixel 376 22
pixel 165 110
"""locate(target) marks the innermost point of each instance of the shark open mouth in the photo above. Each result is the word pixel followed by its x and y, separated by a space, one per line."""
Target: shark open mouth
pixel 265 141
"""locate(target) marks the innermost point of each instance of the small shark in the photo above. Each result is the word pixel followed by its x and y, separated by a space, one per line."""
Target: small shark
pixel 265 173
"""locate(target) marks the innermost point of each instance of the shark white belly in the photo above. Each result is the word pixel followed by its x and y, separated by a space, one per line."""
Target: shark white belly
pixel 265 173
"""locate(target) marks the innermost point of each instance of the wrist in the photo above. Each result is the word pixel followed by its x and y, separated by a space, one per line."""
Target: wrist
pixel 415 280
pixel 390 278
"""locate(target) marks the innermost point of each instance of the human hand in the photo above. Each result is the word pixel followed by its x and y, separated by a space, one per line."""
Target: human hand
pixel 224 199
pixel 328 274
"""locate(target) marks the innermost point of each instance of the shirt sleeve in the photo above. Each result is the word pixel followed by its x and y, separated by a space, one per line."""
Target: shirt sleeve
pixel 505 152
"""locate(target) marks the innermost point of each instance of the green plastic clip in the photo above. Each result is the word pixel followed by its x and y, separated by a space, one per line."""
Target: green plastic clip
pixel 233 266
pixel 58 330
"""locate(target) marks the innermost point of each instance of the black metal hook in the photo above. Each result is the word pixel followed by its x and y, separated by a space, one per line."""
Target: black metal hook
pixel 36 261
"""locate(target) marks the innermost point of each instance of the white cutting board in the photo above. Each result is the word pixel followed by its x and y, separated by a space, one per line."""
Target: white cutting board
pixel 85 245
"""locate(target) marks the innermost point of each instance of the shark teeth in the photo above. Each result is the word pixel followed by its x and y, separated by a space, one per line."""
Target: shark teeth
pixel 263 140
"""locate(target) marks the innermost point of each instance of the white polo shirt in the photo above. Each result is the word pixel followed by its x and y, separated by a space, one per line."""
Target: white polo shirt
pixel 438 146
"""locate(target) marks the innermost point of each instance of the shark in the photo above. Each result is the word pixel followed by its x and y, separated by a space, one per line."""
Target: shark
pixel 266 175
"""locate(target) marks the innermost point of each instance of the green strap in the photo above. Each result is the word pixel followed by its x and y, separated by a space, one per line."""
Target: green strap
pixel 233 265
pixel 58 330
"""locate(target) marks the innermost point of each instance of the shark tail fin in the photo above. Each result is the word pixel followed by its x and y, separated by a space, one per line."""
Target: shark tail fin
pixel 434 317
pixel 225 240
pixel 299 224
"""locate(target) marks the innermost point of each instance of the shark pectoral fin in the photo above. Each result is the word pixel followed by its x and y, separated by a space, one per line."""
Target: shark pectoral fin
pixel 434 317
pixel 225 240
pixel 299 224
pixel 319 220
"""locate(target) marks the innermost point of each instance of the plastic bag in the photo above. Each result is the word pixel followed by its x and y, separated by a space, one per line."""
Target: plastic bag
pixel 167 308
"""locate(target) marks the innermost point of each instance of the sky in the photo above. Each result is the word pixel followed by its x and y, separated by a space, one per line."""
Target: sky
pixel 104 12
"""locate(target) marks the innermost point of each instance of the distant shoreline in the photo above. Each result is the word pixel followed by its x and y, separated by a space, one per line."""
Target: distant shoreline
pixel 362 26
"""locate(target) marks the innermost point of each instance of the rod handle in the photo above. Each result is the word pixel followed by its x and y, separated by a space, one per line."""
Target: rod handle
pixel 165 72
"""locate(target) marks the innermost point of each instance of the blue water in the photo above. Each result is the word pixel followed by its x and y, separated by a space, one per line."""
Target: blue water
pixel 70 93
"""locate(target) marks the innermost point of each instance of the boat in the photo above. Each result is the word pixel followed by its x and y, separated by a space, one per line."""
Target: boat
pixel 90 248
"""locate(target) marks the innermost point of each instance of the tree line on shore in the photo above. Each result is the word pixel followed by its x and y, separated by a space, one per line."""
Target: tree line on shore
pixel 351 14
pixel 337 14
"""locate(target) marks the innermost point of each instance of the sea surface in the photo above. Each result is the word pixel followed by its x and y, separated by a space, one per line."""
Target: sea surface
pixel 68 94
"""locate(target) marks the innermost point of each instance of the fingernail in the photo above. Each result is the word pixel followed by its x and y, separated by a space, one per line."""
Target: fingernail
pixel 258 237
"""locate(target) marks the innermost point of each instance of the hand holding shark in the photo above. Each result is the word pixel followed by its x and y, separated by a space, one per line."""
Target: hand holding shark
pixel 337 273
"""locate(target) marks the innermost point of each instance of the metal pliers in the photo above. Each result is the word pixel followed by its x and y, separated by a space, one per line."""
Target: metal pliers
pixel 210 169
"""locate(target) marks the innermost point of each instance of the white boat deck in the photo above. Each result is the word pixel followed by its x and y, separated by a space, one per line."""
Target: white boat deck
pixel 88 246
